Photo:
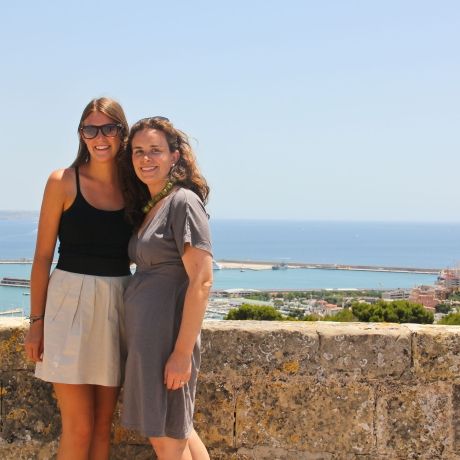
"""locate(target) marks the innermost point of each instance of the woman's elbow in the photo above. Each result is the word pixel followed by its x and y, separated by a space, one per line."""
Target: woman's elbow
pixel 201 284
pixel 206 283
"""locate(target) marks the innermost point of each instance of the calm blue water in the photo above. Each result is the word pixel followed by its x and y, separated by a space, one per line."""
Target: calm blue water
pixel 17 235
pixel 355 243
pixel 366 243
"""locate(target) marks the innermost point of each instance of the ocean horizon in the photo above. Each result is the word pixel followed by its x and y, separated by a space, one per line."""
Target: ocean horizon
pixel 385 244
pixel 404 244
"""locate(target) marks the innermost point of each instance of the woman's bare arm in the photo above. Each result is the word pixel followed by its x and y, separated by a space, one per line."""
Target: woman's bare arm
pixel 198 265
pixel 54 200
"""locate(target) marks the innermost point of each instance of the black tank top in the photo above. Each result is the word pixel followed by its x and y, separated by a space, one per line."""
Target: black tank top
pixel 93 241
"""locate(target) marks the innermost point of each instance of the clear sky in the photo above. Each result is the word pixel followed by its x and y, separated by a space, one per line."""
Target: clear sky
pixel 343 110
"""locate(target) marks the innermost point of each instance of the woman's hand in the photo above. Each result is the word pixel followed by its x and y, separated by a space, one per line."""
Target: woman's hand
pixel 178 370
pixel 34 341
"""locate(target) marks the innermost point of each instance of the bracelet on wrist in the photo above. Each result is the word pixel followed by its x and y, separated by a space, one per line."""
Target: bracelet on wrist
pixel 35 318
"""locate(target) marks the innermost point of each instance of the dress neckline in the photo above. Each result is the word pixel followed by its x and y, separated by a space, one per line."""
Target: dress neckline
pixel 141 232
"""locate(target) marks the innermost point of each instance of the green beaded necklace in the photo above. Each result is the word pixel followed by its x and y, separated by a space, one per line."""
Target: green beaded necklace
pixel 156 198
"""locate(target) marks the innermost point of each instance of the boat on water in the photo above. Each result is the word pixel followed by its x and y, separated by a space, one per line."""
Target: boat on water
pixel 215 265
pixel 15 282
pixel 280 266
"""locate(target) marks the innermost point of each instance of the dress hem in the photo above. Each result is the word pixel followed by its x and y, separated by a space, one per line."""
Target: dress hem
pixel 158 433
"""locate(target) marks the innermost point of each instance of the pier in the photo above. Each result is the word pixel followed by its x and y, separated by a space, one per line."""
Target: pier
pixel 15 282
pixel 267 265
pixel 16 261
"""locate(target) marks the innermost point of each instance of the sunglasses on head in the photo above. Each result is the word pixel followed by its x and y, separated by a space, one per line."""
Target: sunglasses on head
pixel 108 130
pixel 156 118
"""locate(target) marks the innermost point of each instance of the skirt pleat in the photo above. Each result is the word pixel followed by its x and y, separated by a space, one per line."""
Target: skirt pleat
pixel 83 332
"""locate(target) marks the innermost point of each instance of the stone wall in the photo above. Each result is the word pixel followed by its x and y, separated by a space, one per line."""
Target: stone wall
pixel 282 390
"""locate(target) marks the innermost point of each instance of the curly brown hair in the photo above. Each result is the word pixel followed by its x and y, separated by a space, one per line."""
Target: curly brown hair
pixel 185 172
pixel 113 110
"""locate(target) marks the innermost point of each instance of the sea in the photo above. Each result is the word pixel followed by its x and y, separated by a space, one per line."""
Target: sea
pixel 385 244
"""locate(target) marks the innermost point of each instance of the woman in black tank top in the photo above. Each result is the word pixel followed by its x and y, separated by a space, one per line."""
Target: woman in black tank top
pixel 76 333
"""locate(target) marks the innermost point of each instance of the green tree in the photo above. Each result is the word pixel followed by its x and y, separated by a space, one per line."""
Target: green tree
pixel 454 296
pixel 257 312
pixel 259 296
pixel 311 318
pixel 344 316
pixel 399 311
pixel 452 319
pixel 443 308
pixel 296 313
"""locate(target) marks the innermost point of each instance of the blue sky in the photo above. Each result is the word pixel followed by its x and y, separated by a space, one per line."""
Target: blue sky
pixel 299 110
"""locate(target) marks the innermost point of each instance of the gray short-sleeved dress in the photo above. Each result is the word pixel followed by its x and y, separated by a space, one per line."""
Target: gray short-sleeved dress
pixel 154 301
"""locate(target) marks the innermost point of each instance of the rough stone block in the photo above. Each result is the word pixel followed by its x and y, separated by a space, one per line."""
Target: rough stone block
pixel 255 347
pixel 370 351
pixel 30 450
pixel 414 420
pixel 214 413
pixel 436 352
pixel 12 355
pixel 29 410
pixel 271 453
pixel 306 416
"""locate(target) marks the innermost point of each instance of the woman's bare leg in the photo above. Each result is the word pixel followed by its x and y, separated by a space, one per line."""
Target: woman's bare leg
pixel 170 448
pixel 76 403
pixel 197 448
pixel 86 412
pixel 180 449
pixel 105 400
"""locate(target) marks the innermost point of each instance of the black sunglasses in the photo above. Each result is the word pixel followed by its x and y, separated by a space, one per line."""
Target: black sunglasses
pixel 108 130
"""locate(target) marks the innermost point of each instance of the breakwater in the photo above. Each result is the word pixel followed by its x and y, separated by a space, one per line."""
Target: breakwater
pixel 249 264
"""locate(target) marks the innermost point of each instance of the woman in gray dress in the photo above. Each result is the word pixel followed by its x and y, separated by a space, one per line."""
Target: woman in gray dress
pixel 166 298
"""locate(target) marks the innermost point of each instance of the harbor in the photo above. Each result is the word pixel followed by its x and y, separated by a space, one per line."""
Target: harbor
pixel 276 265
pixel 247 275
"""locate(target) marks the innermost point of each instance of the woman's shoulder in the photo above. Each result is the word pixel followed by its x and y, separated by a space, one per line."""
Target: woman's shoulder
pixel 185 195
pixel 62 175
pixel 62 180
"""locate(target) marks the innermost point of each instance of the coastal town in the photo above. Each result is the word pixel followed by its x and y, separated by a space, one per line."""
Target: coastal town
pixel 441 298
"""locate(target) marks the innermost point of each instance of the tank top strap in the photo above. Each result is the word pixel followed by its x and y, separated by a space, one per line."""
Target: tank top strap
pixel 77 178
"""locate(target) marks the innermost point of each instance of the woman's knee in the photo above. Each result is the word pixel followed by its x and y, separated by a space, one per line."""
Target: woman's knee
pixel 168 448
pixel 105 402
pixel 102 428
pixel 79 432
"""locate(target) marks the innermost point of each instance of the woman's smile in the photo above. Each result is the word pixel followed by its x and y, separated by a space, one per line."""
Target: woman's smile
pixel 152 159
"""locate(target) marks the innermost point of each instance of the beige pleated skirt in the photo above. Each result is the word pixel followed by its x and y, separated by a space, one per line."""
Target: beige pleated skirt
pixel 84 339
